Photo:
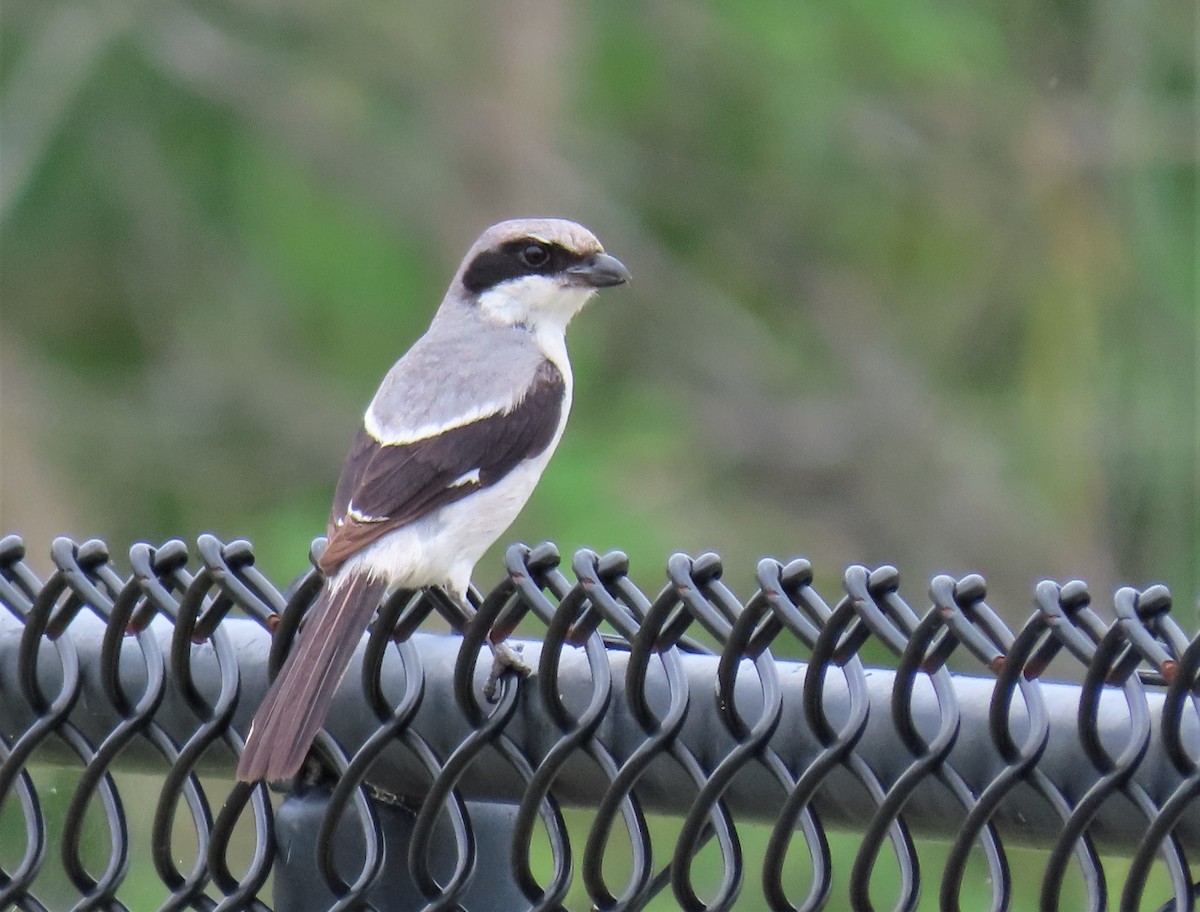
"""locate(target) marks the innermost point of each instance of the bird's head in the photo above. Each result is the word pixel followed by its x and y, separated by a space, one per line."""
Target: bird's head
pixel 536 272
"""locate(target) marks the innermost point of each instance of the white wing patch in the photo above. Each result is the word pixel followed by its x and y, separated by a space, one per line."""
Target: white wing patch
pixel 356 514
pixel 471 477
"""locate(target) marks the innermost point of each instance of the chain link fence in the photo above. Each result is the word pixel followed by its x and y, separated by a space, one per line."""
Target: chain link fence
pixel 644 708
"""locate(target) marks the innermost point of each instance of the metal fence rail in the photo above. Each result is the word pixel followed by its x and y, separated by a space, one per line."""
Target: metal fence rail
pixel 421 794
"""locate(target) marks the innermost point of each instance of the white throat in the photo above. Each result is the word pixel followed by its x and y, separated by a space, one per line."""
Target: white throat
pixel 544 305
pixel 535 301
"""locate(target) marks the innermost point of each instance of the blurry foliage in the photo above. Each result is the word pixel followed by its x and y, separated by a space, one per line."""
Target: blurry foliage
pixel 913 282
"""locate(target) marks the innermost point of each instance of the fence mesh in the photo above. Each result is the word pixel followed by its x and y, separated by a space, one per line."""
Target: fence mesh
pixel 643 706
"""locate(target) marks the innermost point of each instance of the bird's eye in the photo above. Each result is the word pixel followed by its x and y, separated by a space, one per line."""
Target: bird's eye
pixel 535 256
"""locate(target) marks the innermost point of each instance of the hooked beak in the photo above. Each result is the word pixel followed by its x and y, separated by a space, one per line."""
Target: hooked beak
pixel 601 271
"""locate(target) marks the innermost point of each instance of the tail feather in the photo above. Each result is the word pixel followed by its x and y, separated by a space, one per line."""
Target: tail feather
pixel 296 704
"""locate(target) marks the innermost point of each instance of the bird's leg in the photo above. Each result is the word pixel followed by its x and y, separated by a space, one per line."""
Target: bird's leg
pixel 504 657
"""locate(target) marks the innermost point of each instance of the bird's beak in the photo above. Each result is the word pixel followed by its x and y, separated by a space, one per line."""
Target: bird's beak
pixel 600 271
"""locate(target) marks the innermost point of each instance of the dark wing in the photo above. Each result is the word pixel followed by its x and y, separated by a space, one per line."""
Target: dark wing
pixel 386 486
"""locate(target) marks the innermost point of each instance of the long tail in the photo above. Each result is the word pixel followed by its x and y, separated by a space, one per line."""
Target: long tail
pixel 295 707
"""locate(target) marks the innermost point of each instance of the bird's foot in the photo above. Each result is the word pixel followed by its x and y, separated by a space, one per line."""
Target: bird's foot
pixel 504 658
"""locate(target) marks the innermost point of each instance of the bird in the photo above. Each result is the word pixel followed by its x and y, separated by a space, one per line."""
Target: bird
pixel 450 449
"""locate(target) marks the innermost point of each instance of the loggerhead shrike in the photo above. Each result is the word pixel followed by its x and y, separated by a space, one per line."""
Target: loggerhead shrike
pixel 449 451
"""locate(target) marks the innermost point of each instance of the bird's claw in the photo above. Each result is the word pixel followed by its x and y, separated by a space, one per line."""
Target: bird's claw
pixel 504 658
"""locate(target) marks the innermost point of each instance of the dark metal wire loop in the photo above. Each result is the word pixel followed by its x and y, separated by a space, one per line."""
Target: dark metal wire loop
pixel 537 574
pixel 752 738
pixel 1182 690
pixel 106 667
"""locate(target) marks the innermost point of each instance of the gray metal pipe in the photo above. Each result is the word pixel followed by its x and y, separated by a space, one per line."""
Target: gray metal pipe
pixel 1024 818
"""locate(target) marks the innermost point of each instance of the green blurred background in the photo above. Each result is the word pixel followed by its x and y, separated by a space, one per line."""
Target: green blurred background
pixel 914 282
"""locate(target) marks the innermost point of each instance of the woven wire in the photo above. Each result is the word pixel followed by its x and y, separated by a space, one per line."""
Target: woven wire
pixel 191 703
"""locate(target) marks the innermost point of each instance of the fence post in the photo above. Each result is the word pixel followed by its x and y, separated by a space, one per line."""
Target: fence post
pixel 300 885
